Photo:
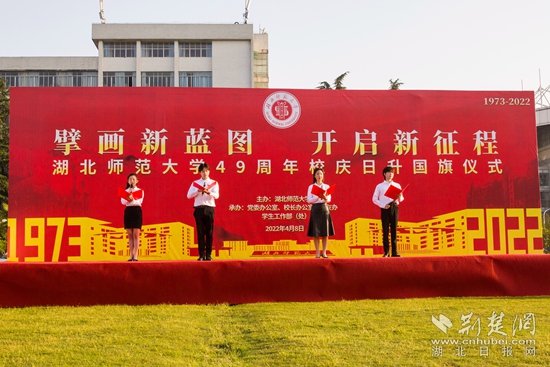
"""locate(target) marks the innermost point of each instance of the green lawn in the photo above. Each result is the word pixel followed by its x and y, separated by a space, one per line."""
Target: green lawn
pixel 345 333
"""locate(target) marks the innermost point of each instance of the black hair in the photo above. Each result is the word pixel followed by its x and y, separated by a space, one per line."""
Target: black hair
pixel 203 166
pixel 386 169
pixel 315 171
pixel 127 178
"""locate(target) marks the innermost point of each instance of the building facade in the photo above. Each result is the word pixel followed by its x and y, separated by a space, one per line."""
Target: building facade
pixel 543 143
pixel 155 55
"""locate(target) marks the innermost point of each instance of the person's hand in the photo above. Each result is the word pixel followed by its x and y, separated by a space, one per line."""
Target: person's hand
pixel 206 191
pixel 323 197
pixel 387 206
pixel 130 197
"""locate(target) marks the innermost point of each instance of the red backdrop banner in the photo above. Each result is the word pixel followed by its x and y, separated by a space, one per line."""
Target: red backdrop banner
pixel 469 160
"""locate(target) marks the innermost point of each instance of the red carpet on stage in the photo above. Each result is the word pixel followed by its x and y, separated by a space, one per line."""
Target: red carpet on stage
pixel 304 280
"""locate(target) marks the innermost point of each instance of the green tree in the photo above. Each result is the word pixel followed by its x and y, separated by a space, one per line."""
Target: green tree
pixel 395 84
pixel 546 236
pixel 338 83
pixel 4 162
pixel 324 85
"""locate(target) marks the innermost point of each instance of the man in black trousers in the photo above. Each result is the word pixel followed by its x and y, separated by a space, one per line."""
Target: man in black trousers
pixel 389 210
pixel 205 191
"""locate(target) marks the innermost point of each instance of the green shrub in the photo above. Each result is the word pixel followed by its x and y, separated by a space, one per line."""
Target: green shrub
pixel 546 237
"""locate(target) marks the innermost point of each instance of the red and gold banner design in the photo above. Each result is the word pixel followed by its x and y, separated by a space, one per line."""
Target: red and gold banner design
pixel 469 160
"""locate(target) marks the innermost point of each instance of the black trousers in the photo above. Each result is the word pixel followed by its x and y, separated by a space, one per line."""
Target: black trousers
pixel 204 218
pixel 389 221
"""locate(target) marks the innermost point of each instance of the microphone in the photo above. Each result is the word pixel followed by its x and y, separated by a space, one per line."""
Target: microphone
pixel 204 185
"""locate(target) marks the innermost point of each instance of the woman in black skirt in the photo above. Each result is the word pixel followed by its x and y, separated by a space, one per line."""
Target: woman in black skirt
pixel 132 214
pixel 320 222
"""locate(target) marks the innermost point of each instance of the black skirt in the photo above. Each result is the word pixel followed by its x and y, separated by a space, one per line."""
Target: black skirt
pixel 133 217
pixel 320 222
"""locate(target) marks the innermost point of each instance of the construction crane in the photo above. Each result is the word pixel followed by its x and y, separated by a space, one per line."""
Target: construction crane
pixel 101 12
pixel 246 9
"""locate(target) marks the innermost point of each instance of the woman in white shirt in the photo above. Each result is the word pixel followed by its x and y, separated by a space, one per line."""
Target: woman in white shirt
pixel 133 219
pixel 320 221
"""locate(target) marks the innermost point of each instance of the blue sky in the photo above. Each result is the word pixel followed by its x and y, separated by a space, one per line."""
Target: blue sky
pixel 427 44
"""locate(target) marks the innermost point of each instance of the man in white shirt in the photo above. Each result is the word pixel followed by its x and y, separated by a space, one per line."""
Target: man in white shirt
pixel 389 211
pixel 204 191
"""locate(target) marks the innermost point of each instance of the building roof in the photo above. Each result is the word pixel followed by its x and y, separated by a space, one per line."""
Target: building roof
pixel 542 116
pixel 169 32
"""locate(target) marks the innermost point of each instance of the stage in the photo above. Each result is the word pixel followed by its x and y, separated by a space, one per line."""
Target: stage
pixel 301 280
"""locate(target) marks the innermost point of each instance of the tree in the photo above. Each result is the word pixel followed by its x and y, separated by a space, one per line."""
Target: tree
pixel 338 83
pixel 324 85
pixel 546 237
pixel 395 84
pixel 4 162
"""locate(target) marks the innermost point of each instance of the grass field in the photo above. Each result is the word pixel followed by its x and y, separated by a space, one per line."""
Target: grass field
pixel 345 333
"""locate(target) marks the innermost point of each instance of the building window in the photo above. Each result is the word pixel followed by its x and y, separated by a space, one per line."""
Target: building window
pixel 545 202
pixel 119 49
pixel 79 79
pixel 47 79
pixel 195 49
pixel 544 177
pixel 51 79
pixel 154 49
pixel 12 79
pixel 119 79
pixel 261 78
pixel 157 79
pixel 195 79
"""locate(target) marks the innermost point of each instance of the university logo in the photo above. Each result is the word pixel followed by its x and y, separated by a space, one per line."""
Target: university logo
pixel 281 110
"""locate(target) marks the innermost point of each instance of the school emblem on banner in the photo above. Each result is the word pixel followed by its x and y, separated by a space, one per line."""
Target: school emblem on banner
pixel 281 110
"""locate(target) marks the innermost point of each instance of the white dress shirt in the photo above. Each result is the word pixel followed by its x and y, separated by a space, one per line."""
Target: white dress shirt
pixel 379 199
pixel 201 198
pixel 314 199
pixel 136 202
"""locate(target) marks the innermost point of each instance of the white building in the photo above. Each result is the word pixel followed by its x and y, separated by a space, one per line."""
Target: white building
pixel 168 55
